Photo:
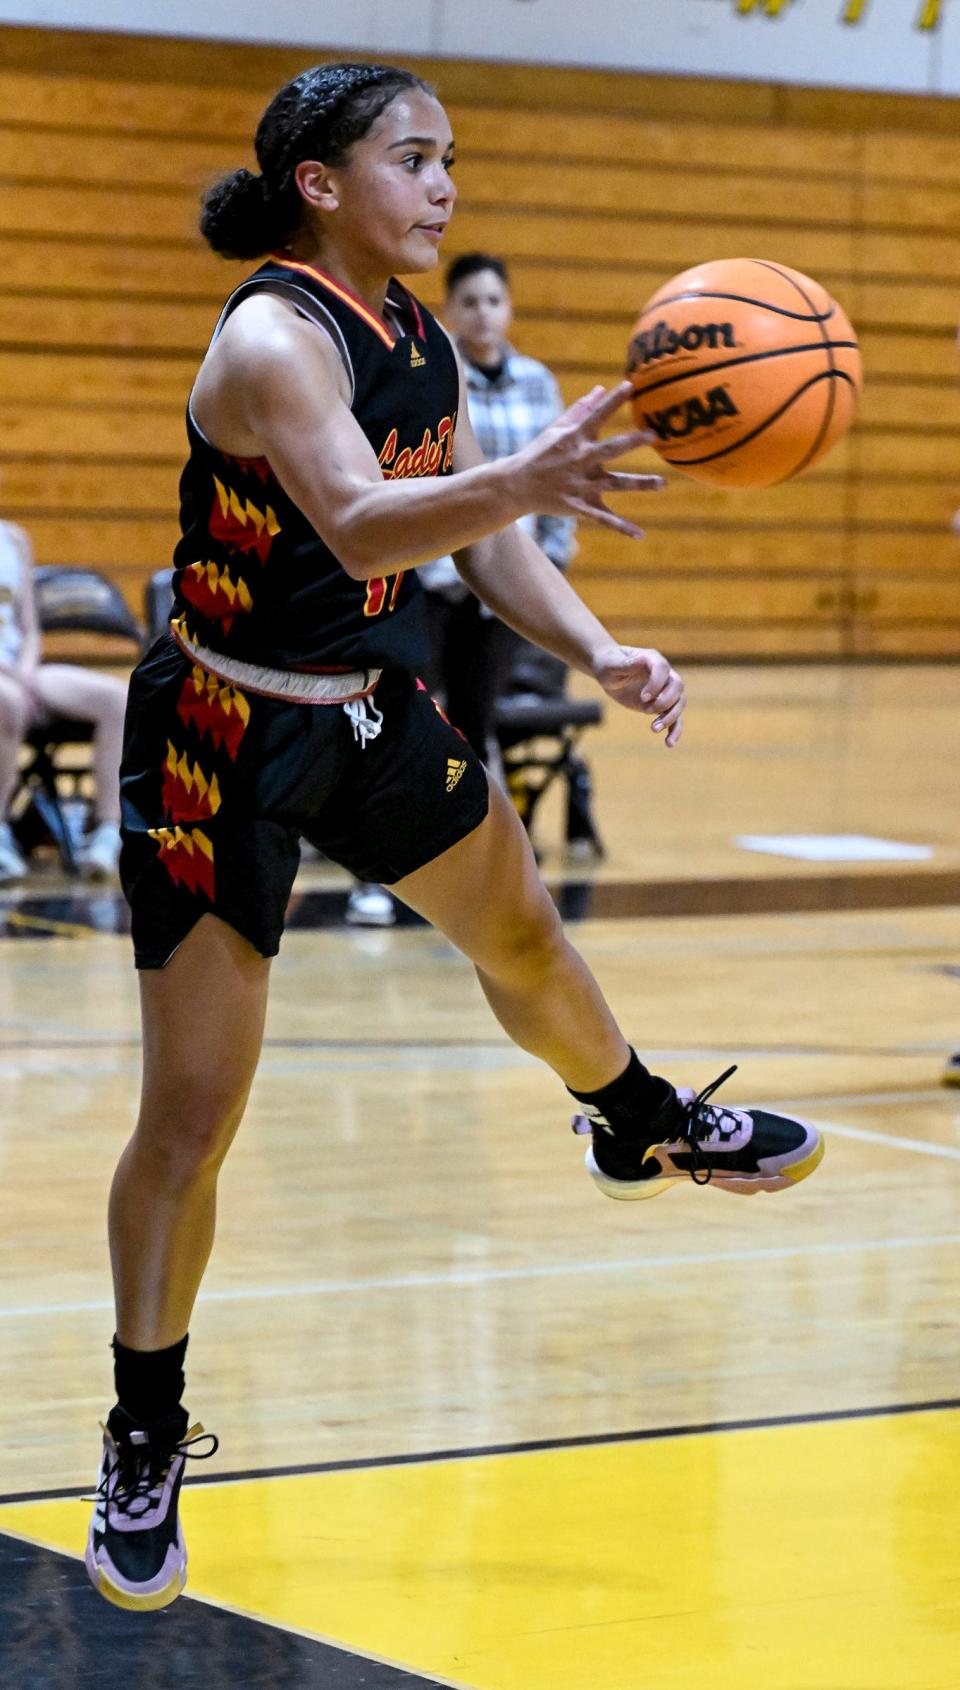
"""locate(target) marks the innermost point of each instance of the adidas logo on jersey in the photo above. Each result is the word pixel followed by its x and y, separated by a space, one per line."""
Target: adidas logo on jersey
pixel 456 769
pixel 417 360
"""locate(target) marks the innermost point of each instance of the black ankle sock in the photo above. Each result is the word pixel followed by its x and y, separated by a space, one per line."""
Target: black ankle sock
pixel 149 1382
pixel 629 1101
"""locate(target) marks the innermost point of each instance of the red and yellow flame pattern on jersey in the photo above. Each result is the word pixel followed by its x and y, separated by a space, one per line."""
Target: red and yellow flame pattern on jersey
pixel 215 594
pixel 187 855
pixel 240 524
pixel 189 795
pixel 215 708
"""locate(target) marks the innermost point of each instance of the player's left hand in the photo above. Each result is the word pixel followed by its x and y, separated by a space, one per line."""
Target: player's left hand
pixel 641 679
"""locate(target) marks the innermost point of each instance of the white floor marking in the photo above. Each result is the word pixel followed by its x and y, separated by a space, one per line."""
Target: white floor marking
pixel 919 1146
pixel 547 1270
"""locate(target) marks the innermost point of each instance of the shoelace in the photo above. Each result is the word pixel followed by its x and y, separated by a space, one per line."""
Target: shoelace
pixel 134 1476
pixel 699 1113
pixel 364 718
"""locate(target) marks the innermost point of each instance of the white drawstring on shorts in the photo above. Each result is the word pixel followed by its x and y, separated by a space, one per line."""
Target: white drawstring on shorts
pixel 364 718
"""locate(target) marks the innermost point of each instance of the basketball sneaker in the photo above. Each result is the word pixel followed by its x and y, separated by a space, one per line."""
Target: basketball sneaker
pixel 951 1070
pixel 136 1556
pixel 739 1150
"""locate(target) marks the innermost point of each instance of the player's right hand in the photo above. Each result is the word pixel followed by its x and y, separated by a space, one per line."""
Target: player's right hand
pixel 563 472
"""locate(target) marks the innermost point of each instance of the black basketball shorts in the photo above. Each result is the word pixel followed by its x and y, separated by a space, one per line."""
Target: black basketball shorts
pixel 218 785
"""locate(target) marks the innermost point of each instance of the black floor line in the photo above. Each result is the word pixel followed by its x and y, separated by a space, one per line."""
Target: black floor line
pixel 55 1631
pixel 646 1434
pixel 577 900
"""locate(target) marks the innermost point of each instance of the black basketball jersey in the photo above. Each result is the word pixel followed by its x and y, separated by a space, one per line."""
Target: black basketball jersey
pixel 253 579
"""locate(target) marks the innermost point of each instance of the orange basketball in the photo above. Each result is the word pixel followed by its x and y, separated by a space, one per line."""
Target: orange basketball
pixel 747 372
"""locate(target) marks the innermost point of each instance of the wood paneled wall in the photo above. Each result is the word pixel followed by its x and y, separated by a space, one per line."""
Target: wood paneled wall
pixel 596 188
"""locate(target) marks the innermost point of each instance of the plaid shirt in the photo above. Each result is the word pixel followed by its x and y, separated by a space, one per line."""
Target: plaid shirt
pixel 506 415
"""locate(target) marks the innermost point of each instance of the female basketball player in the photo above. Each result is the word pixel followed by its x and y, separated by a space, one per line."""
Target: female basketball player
pixel 330 453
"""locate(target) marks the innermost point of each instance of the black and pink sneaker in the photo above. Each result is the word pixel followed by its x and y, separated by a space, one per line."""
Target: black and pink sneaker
pixel 738 1150
pixel 136 1556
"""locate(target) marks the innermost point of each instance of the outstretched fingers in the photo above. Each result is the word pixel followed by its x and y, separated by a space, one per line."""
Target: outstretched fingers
pixel 583 407
pixel 619 481
pixel 617 445
pixel 603 402
pixel 599 513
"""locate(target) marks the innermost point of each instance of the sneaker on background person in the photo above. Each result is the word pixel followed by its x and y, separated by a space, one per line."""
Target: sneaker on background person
pixel 369 905
pixel 99 852
pixel 13 866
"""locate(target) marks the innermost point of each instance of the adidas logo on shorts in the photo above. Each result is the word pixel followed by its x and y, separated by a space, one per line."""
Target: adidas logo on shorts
pixel 455 770
pixel 417 360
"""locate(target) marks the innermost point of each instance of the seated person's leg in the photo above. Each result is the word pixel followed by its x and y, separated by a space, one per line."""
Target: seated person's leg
pixel 14 712
pixel 67 690
pixel 471 685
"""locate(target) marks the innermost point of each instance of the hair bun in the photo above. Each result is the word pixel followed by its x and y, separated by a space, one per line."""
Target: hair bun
pixel 236 218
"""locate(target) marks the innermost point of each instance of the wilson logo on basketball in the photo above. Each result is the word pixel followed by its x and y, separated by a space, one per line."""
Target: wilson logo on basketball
pixel 662 341
pixel 702 411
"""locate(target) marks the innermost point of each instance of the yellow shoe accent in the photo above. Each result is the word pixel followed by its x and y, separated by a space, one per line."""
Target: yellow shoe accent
pixel 140 1604
pixel 800 1170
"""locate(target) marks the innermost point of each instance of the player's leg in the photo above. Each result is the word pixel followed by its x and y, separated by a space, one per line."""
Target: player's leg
pixel 486 895
pixel 203 1020
pixel 536 983
pixel 68 690
pixel 14 717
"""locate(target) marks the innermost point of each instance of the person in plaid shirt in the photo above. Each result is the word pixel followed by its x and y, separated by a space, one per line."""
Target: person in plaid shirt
pixel 511 399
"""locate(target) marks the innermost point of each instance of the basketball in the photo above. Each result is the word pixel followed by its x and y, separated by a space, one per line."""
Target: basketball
pixel 747 372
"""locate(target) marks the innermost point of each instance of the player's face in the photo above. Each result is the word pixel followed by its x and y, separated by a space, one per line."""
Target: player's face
pixel 479 311
pixel 397 194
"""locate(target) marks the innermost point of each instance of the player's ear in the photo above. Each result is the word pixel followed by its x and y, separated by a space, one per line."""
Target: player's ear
pixel 316 187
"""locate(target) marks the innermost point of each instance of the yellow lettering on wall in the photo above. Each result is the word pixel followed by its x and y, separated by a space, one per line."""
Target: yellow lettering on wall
pixel 929 14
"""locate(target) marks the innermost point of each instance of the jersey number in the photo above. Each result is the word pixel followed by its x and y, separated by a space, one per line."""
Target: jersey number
pixel 376 600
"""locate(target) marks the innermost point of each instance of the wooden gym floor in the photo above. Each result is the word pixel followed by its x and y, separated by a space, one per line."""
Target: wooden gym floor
pixel 479 1426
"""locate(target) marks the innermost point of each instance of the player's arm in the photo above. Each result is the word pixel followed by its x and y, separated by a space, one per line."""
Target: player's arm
pixel 282 384
pixel 510 573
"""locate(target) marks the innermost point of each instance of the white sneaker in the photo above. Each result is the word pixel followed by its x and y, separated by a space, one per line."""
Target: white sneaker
pixel 370 906
pixel 12 865
pixel 99 852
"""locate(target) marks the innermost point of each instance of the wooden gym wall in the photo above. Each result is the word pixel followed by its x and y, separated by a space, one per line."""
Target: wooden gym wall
pixel 596 187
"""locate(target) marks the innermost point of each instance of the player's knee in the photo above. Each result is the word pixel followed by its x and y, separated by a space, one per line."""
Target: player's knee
pixel 108 704
pixel 528 947
pixel 190 1139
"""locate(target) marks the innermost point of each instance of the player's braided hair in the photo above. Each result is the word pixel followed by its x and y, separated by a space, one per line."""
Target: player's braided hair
pixel 320 115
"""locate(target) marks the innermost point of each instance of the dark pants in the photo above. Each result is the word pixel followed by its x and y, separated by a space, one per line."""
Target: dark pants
pixel 471 658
